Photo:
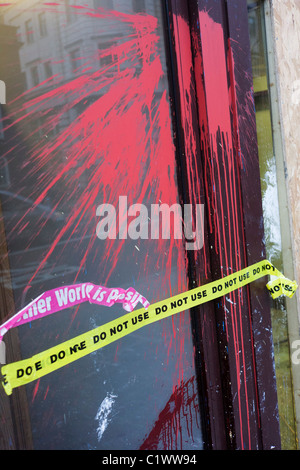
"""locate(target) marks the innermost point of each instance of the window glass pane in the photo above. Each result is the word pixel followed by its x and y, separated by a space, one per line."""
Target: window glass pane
pixel 268 173
pixel 48 70
pixel 34 75
pixel 92 135
pixel 42 24
pixel 29 31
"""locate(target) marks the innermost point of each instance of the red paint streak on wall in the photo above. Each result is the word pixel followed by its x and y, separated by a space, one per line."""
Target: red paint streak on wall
pixel 237 143
pixel 167 431
pixel 122 141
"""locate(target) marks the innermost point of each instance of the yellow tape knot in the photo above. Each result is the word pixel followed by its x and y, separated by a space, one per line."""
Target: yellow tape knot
pixel 282 286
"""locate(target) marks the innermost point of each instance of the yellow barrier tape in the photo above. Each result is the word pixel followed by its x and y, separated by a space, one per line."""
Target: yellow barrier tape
pixel 28 370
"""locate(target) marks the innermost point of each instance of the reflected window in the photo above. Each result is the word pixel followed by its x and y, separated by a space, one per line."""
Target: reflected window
pixel 106 4
pixel 1 124
pixel 106 58
pixel 29 32
pixel 19 33
pixel 138 6
pixel 42 24
pixel 34 72
pixel 48 69
pixel 70 14
pixel 75 59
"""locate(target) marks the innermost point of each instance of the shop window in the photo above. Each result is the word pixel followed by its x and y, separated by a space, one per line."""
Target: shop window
pixel 106 149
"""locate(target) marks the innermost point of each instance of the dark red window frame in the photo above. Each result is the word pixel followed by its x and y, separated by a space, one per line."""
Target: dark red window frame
pixel 218 159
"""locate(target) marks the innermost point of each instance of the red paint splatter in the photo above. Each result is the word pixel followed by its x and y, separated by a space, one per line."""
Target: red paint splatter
pixel 167 432
pixel 35 390
pixel 138 163
pixel 46 393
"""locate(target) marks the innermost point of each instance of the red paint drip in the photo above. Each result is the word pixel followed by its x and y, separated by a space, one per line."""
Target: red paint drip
pixel 35 390
pixel 221 167
pixel 167 431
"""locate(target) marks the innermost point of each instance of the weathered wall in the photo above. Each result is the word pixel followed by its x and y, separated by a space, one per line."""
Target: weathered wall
pixel 286 29
pixel 283 30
